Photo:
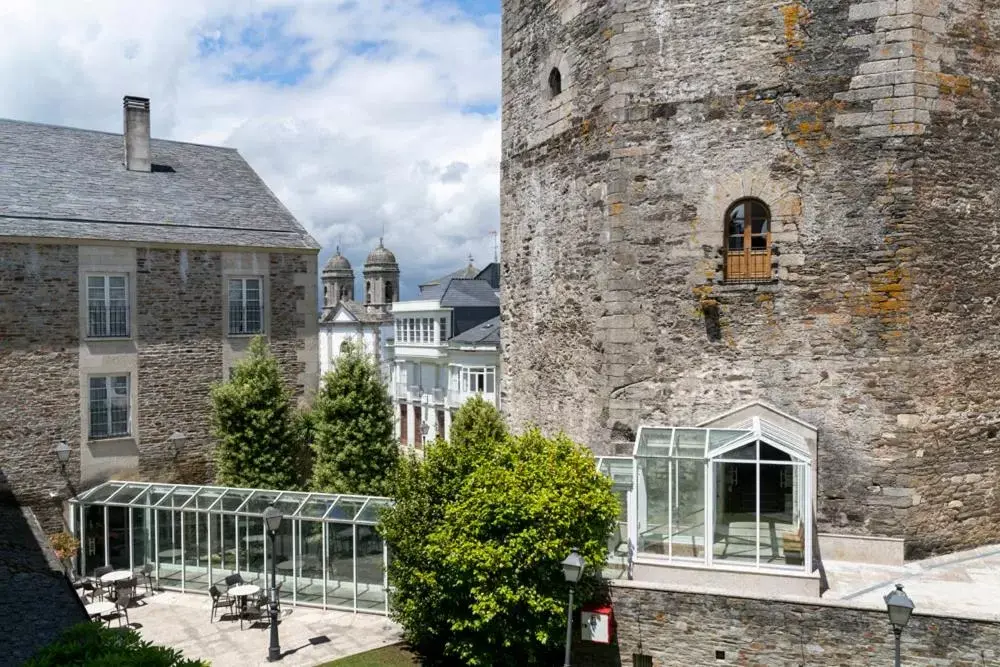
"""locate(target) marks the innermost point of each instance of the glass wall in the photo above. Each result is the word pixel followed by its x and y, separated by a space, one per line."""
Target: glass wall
pixel 735 496
pixel 326 551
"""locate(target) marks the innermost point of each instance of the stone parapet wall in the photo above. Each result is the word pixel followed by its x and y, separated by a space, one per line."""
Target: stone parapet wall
pixel 879 317
pixel 688 629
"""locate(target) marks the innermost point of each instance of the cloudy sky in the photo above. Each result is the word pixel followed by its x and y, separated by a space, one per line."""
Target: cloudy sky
pixel 360 114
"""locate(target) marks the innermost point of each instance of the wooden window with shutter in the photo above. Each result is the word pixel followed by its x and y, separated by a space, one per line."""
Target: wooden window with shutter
pixel 748 242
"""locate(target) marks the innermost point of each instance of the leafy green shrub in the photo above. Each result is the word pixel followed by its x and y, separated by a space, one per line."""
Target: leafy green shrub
pixel 94 645
pixel 254 423
pixel 351 425
pixel 478 533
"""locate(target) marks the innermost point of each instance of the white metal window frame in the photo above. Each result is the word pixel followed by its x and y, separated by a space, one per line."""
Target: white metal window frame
pixel 240 328
pixel 106 331
pixel 109 394
pixel 470 376
pixel 755 430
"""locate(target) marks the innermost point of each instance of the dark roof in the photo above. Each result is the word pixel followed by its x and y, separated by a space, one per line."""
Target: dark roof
pixel 61 182
pixel 491 274
pixel 433 289
pixel 462 292
pixel 488 332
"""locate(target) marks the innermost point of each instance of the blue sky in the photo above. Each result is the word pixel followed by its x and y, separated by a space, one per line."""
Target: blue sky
pixel 360 115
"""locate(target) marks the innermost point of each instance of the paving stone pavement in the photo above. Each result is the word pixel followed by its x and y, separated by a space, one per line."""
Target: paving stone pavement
pixel 308 636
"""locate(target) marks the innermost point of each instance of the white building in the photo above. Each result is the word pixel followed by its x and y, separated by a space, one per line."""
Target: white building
pixel 446 349
pixel 346 320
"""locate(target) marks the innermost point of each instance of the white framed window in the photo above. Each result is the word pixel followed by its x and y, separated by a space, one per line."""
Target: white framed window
pixel 110 414
pixel 108 306
pixel 443 329
pixel 246 306
pixel 480 380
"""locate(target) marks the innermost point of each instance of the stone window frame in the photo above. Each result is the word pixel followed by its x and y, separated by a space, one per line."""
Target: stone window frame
pixel 561 62
pixel 129 408
pixel 88 327
pixel 243 332
pixel 747 273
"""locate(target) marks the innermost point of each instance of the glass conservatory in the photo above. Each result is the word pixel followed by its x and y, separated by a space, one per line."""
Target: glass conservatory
pixel 326 549
pixel 736 496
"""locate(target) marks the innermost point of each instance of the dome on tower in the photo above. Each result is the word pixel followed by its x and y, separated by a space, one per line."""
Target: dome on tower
pixel 338 264
pixel 380 255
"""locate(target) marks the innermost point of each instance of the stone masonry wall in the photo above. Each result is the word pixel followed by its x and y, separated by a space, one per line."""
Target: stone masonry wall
pixel 687 630
pixel 39 385
pixel 178 324
pixel 878 321
pixel 180 306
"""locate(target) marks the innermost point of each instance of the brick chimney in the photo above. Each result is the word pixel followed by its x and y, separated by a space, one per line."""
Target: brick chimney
pixel 137 155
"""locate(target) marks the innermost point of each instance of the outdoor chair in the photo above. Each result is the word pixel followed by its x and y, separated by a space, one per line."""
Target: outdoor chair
pixel 234 579
pixel 220 601
pixel 122 603
pixel 256 609
pixel 147 577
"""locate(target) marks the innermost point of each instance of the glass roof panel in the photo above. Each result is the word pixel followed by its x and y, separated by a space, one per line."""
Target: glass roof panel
pixel 619 469
pixel 653 441
pixel 155 494
pixel 345 509
pixel 372 509
pixel 206 498
pixel 127 493
pixel 177 497
pixel 289 502
pixel 744 453
pixel 259 501
pixel 690 442
pixel 102 492
pixel 717 437
pixel 232 500
pixel 316 507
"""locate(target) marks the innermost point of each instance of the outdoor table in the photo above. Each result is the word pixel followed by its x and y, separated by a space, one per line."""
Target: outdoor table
pixel 171 553
pixel 99 609
pixel 117 575
pixel 242 592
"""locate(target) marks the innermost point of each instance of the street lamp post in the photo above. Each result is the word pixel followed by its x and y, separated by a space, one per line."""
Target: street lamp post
pixel 272 519
pixel 572 570
pixel 900 607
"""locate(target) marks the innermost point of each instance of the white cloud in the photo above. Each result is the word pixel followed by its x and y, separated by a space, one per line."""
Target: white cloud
pixel 371 133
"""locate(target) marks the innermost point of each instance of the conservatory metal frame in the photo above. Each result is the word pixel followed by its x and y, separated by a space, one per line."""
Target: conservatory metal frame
pixel 716 444
pixel 216 502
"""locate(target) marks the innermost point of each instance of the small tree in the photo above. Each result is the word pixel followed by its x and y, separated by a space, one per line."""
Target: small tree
pixel 478 534
pixel 353 443
pixel 253 421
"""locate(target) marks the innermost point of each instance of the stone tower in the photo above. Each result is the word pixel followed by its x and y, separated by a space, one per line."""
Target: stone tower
pixel 338 281
pixel 381 274
pixel 792 203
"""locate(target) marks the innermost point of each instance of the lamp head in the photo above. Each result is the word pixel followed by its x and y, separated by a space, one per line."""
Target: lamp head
pixel 272 518
pixel 900 607
pixel 573 566
pixel 62 452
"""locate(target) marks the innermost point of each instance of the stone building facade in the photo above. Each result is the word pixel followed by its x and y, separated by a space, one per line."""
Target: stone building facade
pixel 127 287
pixel 865 132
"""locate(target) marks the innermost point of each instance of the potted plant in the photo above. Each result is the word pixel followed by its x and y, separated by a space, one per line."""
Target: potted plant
pixel 66 547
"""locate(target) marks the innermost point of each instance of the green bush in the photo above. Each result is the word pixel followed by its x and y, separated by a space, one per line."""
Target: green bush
pixel 94 645
pixel 478 533
pixel 259 443
pixel 351 424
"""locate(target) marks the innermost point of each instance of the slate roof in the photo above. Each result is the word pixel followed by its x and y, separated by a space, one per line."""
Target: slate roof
pixel 60 182
pixel 466 293
pixel 433 289
pixel 486 333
